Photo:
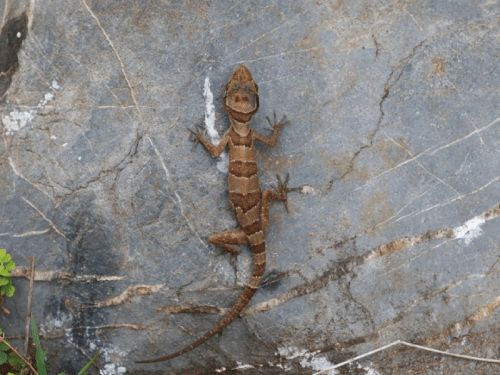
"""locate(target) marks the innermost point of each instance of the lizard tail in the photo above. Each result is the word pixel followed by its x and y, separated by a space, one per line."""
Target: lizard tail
pixel 253 285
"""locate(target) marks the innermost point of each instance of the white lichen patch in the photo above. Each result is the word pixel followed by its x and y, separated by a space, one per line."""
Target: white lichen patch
pixel 16 120
pixel 57 323
pixel 291 352
pixel 318 364
pixel 241 366
pixel 308 358
pixel 223 161
pixel 306 189
pixel 469 231
pixel 113 369
pixel 112 357
pixel 371 371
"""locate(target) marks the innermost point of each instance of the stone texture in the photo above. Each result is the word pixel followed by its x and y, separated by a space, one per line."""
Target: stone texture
pixel 394 137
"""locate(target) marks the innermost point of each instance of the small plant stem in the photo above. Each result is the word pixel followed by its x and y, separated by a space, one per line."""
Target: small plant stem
pixel 28 312
pixel 2 339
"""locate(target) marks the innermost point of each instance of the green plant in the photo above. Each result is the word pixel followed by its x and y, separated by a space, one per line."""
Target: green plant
pixel 6 265
pixel 12 357
pixel 40 356
pixel 7 352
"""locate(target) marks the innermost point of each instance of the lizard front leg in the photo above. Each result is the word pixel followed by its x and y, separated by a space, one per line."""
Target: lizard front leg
pixel 276 128
pixel 198 135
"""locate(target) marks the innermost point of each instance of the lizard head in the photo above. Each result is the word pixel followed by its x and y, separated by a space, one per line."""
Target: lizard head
pixel 241 100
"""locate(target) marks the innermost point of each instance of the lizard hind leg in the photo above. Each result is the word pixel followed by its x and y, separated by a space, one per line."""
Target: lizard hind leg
pixel 229 239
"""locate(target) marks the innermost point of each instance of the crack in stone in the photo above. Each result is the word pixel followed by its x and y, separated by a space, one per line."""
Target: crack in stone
pixel 338 270
pixel 51 223
pixel 59 275
pixel 387 87
pixel 127 294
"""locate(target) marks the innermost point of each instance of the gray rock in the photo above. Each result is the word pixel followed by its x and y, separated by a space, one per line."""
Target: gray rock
pixel 394 138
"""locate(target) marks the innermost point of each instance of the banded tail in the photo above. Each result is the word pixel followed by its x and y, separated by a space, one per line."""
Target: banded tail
pixel 259 261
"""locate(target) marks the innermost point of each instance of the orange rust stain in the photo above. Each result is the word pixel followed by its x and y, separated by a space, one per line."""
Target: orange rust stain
pixel 278 163
pixel 68 304
pixel 491 214
pixel 228 34
pixel 345 224
pixel 335 5
pixel 341 164
pixel 393 246
pixel 310 41
pixel 199 7
pixel 391 153
pixel 378 208
pixel 439 65
pixel 141 20
pixel 364 174
pixel 470 321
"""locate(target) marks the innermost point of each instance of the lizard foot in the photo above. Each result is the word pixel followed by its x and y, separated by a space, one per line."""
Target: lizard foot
pixel 282 190
pixel 233 249
pixel 277 125
pixel 197 135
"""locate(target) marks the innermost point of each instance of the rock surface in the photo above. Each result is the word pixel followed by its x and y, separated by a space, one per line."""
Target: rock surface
pixel 394 138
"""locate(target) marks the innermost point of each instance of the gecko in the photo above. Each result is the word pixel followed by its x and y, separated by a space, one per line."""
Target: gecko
pixel 250 204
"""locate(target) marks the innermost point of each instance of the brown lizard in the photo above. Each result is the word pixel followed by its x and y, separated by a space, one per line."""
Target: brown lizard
pixel 251 205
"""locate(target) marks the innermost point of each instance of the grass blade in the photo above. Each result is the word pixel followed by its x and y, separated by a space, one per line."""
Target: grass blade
pixel 82 372
pixel 40 363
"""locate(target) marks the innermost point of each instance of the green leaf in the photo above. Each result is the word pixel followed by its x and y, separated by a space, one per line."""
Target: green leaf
pixel 6 258
pixel 10 266
pixel 14 360
pixel 4 272
pixel 3 281
pixel 10 290
pixel 3 347
pixel 3 358
pixel 20 366
pixel 82 372
pixel 40 364
pixel 2 253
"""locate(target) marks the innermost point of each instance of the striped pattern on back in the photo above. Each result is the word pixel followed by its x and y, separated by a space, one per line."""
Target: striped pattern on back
pixel 241 102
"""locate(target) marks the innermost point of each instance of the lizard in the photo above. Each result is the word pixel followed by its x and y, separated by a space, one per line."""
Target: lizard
pixel 250 204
